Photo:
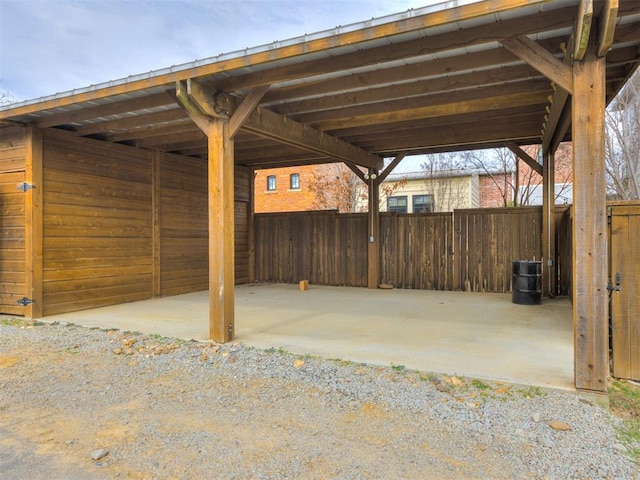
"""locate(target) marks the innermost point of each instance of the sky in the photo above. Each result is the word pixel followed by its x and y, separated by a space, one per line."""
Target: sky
pixel 52 46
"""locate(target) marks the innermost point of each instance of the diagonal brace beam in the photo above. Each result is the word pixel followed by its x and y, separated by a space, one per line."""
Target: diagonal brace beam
pixel 541 59
pixel 202 102
pixel 526 158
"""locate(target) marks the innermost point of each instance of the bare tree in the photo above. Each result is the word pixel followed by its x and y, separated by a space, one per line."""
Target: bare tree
pixel 622 153
pixel 336 187
pixel 6 98
pixel 443 179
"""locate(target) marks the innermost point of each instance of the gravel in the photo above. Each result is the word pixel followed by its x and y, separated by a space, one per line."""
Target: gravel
pixel 86 403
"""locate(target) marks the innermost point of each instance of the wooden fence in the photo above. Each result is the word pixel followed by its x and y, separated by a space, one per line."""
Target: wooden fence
pixel 467 250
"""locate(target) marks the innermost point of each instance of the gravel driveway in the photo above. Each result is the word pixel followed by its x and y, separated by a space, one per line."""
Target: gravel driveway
pixel 164 408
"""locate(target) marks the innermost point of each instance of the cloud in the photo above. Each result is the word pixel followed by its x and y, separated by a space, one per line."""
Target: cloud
pixel 49 46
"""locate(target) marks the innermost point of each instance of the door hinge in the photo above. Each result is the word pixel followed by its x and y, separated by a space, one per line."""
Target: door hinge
pixel 24 301
pixel 25 186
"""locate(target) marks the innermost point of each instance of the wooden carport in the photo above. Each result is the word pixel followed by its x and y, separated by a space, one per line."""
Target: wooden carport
pixel 450 77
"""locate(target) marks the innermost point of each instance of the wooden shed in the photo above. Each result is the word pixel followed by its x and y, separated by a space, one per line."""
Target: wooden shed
pixel 141 187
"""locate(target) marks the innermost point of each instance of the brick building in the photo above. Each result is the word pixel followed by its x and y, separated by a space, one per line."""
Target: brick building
pixel 284 189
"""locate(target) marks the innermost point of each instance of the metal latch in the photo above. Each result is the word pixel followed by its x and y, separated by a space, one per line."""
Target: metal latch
pixel 617 288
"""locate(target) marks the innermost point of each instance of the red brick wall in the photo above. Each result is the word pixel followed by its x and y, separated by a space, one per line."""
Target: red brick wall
pixel 490 195
pixel 283 199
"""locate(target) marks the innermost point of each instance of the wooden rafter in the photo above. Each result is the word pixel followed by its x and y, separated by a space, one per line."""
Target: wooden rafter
pixel 390 52
pixel 138 121
pixel 113 108
pixel 420 89
pixel 432 111
pixel 582 29
pixel 448 66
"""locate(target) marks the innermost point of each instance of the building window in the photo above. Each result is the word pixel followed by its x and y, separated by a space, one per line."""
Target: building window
pixel 294 181
pixel 271 183
pixel 397 204
pixel 422 203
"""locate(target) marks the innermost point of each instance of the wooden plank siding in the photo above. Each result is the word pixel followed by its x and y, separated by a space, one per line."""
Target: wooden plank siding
pixel 183 218
pixel 12 243
pixel 12 220
pixel 97 223
pixel 243 186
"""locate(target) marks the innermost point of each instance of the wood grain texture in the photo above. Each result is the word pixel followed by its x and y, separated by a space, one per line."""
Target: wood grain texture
pixel 589 223
pixel 97 223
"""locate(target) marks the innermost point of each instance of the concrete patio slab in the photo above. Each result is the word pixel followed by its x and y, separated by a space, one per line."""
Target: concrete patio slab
pixel 479 335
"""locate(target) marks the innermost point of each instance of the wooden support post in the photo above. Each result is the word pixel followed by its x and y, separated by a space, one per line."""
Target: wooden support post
pixel 221 231
pixel 589 223
pixel 548 225
pixel 34 222
pixel 373 256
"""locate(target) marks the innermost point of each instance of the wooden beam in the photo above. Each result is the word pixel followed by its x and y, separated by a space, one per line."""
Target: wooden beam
pixel 102 111
pixel 513 100
pixel 34 222
pixel 248 105
pixel 394 163
pixel 221 232
pixel 357 171
pixel 591 331
pixel 162 117
pixel 608 18
pixel 526 158
pixel 268 124
pixel 540 59
pixel 582 29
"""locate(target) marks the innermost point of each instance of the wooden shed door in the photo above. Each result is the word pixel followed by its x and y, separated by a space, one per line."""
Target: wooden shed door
pixel 12 251
pixel 625 302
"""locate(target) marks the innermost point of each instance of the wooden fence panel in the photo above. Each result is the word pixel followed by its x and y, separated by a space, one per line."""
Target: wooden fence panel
pixel 486 241
pixel 564 250
pixel 416 251
pixel 468 250
pixel 322 247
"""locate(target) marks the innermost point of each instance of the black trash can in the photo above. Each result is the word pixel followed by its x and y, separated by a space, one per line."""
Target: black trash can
pixel 527 283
